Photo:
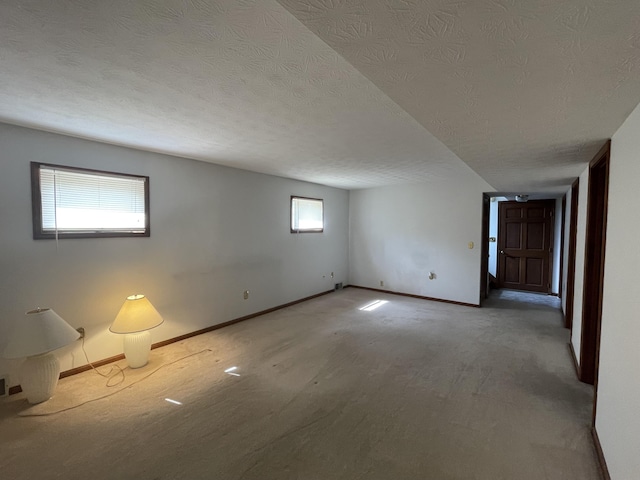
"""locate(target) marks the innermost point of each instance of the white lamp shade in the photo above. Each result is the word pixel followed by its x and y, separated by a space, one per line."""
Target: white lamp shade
pixel 40 331
pixel 136 315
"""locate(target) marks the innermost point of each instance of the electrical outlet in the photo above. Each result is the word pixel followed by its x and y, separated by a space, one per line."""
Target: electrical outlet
pixel 246 294
pixel 382 283
pixel 331 274
pixel 81 332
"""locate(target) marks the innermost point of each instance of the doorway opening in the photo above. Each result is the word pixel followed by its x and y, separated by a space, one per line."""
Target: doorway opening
pixel 548 222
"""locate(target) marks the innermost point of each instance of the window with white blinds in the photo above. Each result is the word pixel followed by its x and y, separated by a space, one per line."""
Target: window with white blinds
pixel 72 202
pixel 307 215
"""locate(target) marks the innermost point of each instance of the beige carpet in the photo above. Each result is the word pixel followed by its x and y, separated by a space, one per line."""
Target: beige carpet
pixel 323 390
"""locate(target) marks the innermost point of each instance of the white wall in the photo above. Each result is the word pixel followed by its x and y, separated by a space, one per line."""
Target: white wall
pixel 576 329
pixel 617 419
pixel 215 232
pixel 399 234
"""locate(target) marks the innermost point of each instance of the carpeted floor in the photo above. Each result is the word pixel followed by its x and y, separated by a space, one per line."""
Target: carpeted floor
pixel 323 390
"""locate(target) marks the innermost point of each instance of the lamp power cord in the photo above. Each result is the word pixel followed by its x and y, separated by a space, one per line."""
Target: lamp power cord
pixel 109 376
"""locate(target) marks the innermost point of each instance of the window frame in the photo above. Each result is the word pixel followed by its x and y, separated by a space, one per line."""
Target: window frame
pixel 305 230
pixel 36 205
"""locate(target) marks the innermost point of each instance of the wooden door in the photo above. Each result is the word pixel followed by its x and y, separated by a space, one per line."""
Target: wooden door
pixel 594 265
pixel 525 234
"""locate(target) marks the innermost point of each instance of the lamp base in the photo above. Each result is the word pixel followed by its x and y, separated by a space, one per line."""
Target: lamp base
pixel 136 348
pixel 39 376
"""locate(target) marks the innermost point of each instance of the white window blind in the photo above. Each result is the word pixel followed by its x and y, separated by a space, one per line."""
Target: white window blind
pixel 306 214
pixel 79 201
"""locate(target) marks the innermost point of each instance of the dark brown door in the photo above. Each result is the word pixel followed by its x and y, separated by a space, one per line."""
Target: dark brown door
pixel 525 232
pixel 594 265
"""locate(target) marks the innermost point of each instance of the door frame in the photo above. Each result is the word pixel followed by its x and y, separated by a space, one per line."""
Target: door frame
pixel 571 260
pixel 594 264
pixel 484 249
pixel 563 215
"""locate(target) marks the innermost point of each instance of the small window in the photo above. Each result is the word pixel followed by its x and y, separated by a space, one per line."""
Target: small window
pixel 79 203
pixel 306 215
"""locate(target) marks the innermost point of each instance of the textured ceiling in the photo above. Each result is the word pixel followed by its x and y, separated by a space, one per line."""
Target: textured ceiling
pixel 340 92
pixel 524 91
pixel 234 82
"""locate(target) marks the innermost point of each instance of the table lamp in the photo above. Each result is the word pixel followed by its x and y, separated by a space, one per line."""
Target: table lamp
pixel 136 317
pixel 35 337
